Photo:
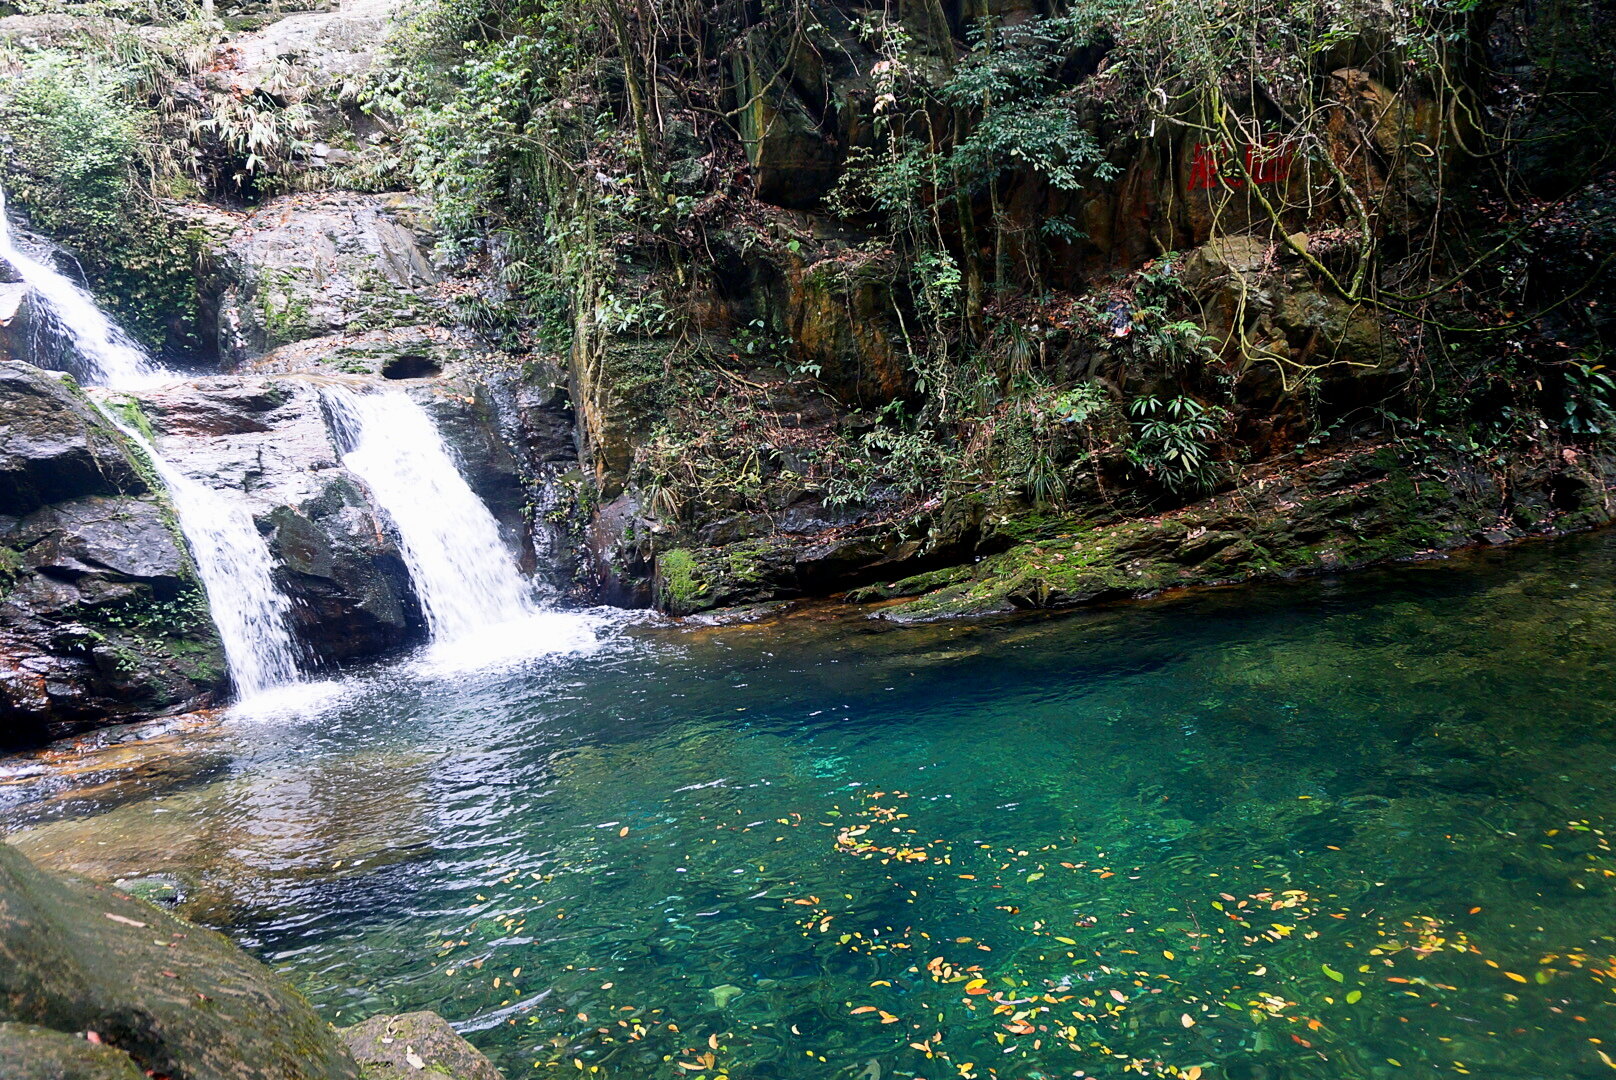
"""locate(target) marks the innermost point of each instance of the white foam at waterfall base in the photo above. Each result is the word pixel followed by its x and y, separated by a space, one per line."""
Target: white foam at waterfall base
pixel 479 608
pixel 110 356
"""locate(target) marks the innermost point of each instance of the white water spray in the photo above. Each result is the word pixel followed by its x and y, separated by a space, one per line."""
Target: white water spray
pixel 463 574
pixel 110 356
pixel 236 568
pixel 231 557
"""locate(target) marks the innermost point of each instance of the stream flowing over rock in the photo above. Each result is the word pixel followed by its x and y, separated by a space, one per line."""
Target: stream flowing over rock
pixel 269 439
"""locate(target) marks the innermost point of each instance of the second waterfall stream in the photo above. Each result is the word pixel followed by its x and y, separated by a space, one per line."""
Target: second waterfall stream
pixel 470 588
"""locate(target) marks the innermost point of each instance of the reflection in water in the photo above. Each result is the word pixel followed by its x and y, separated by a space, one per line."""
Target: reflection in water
pixel 1335 830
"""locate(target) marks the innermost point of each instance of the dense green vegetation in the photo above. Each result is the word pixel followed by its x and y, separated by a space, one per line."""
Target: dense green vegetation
pixel 80 163
pixel 1077 258
pixel 598 147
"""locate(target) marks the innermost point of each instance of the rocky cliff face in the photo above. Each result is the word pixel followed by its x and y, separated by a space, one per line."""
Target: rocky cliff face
pixel 934 304
pixel 101 614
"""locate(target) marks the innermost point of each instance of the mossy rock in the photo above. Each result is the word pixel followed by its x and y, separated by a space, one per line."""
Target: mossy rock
pixel 1357 510
pixel 35 1053
pixel 689 580
pixel 415 1045
pixel 180 1001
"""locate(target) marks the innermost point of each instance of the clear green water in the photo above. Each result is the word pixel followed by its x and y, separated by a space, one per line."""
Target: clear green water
pixel 1337 829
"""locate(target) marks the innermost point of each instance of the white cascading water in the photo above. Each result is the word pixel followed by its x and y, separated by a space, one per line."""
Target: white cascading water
pixel 236 569
pixel 231 557
pixel 466 579
pixel 110 356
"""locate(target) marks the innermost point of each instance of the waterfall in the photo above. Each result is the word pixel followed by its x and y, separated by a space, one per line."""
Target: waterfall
pixel 231 557
pixel 466 579
pixel 236 569
pixel 110 356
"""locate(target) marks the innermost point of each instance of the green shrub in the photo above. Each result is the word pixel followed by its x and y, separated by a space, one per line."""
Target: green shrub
pixel 76 167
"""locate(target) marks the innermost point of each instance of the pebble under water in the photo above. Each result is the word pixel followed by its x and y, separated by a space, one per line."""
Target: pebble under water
pixel 1333 829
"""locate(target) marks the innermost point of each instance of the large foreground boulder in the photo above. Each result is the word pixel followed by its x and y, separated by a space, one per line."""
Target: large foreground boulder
pixel 78 958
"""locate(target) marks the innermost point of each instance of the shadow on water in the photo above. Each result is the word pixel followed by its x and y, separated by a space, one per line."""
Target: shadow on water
pixel 1337 829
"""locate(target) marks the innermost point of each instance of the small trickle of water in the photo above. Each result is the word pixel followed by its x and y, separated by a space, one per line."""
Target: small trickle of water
pixel 466 579
pixel 109 356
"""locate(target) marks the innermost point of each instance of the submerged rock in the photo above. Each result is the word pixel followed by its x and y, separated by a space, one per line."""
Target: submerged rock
pixel 170 998
pixel 245 844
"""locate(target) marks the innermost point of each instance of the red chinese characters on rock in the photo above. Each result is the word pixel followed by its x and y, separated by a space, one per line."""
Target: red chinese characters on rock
pixel 1267 161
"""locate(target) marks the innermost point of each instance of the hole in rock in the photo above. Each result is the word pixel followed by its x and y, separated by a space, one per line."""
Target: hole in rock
pixel 410 367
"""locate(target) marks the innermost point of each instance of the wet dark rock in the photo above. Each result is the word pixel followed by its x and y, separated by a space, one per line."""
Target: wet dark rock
pixel 408 1045
pixel 618 565
pixel 178 1000
pixel 54 445
pixel 16 320
pixel 101 615
pixel 104 546
pixel 352 589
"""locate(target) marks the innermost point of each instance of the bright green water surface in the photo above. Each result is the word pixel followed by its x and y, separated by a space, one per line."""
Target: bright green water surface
pixel 1340 829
